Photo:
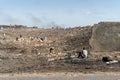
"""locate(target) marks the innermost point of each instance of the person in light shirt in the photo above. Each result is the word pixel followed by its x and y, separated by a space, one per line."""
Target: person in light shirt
pixel 85 52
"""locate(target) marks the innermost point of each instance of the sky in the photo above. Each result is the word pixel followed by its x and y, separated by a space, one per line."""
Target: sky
pixel 66 13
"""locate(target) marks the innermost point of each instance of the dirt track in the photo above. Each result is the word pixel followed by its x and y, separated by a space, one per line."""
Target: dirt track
pixel 62 76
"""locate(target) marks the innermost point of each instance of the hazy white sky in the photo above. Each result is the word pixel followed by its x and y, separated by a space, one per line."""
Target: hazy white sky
pixel 68 13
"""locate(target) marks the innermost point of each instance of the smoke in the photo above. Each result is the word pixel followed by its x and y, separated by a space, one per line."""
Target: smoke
pixel 27 19
pixel 41 21
pixel 35 19
pixel 6 19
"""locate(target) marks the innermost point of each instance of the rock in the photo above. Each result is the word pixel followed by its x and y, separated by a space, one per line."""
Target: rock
pixel 105 36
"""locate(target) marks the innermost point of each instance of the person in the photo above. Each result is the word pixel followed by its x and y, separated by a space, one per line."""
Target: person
pixel 85 52
pixel 51 49
pixel 51 55
pixel 81 55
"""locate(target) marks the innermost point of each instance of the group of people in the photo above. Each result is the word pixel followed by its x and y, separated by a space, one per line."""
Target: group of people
pixel 51 56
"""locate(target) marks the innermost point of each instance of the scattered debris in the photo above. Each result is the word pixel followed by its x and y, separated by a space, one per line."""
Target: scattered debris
pixel 112 62
pixel 107 60
pixel 44 38
pixel 32 50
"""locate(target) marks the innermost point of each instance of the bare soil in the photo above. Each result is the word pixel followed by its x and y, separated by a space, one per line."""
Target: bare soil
pixel 22 57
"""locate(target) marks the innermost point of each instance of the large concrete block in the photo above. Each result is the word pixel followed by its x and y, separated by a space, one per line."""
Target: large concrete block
pixel 105 37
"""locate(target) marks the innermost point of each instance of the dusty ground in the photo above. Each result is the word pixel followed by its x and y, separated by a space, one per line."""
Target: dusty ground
pixel 39 64
pixel 25 57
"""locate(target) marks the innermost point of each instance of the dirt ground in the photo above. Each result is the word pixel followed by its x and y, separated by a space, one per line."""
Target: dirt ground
pixel 25 57
pixel 62 76
pixel 36 65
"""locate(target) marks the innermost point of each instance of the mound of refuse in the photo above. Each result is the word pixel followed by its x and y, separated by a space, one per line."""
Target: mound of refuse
pixel 105 36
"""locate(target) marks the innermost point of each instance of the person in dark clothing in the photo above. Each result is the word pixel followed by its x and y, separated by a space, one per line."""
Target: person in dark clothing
pixel 81 55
